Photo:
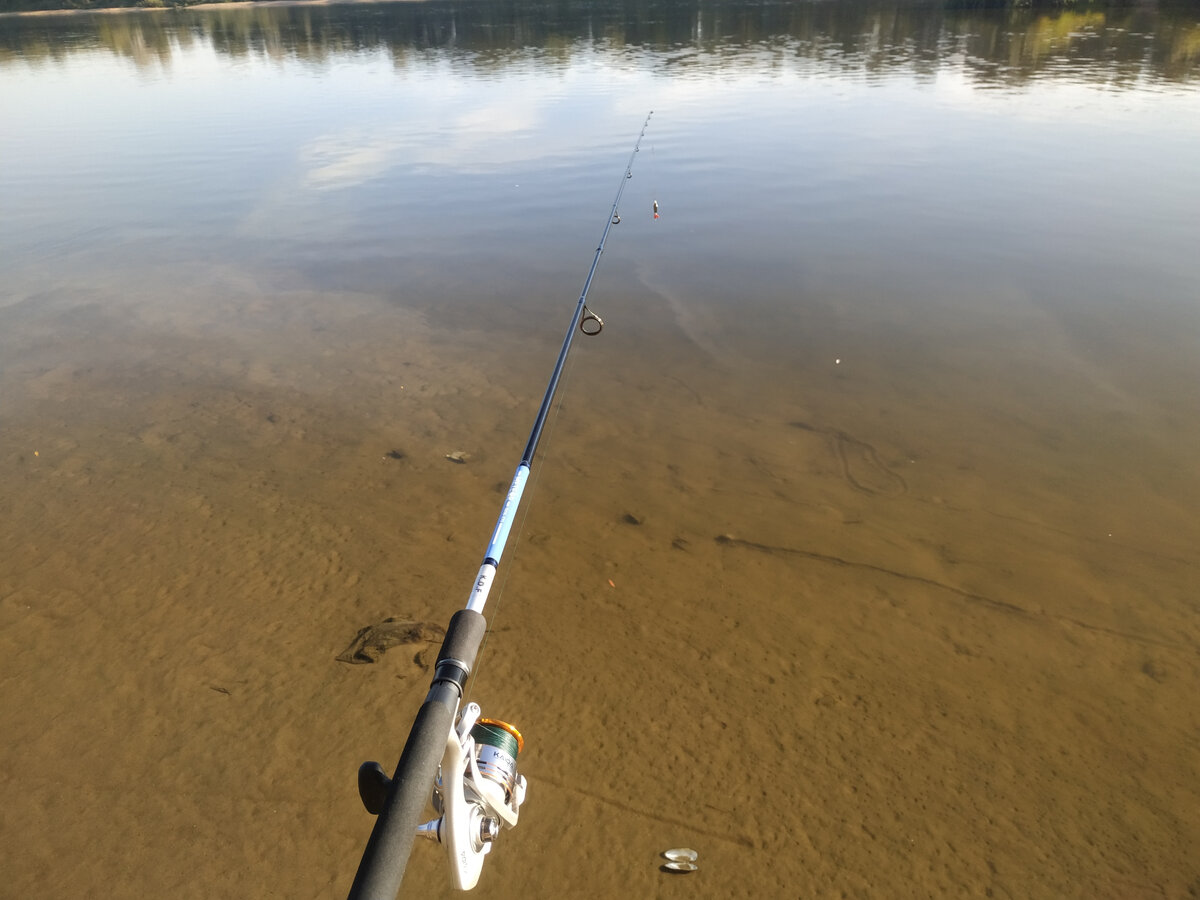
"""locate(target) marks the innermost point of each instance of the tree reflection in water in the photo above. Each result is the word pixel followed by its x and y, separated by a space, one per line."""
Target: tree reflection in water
pixel 1004 47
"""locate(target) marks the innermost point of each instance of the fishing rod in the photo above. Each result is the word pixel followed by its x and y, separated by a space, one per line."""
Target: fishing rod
pixel 469 769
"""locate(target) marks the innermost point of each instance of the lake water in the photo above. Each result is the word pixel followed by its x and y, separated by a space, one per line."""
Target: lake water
pixel 863 555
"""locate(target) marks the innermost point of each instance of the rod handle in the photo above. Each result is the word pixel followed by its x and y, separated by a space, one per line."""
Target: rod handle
pixel 382 867
pixel 383 862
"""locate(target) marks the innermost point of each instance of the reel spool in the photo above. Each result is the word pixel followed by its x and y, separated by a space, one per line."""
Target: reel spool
pixel 497 745
pixel 478 791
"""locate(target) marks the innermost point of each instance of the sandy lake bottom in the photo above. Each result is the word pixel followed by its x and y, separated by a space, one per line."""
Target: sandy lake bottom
pixel 845 632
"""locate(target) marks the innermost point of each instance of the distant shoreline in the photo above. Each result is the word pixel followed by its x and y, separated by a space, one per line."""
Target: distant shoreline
pixel 1061 5
pixel 207 4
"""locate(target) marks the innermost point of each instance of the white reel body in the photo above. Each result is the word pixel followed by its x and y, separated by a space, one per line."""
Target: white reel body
pixel 477 792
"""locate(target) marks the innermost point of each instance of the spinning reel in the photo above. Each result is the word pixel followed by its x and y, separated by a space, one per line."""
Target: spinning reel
pixel 477 792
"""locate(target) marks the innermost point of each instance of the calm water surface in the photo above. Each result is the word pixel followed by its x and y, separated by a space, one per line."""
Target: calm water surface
pixel 916 340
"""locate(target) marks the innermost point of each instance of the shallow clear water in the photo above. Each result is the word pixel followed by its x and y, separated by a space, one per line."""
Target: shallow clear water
pixel 901 388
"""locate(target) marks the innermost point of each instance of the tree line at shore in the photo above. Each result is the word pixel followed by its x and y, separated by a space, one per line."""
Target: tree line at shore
pixel 1004 47
pixel 17 6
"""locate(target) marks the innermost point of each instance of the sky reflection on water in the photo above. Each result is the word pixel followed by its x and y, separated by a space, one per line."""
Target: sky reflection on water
pixel 907 157
pixel 874 120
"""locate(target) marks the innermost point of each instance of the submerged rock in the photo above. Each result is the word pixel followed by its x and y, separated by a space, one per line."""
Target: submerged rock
pixel 373 641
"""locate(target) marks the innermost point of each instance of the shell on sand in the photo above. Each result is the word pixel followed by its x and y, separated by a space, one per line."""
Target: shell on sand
pixel 681 867
pixel 681 854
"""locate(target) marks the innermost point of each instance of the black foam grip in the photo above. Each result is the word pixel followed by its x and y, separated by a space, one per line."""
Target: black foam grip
pixel 463 637
pixel 382 867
